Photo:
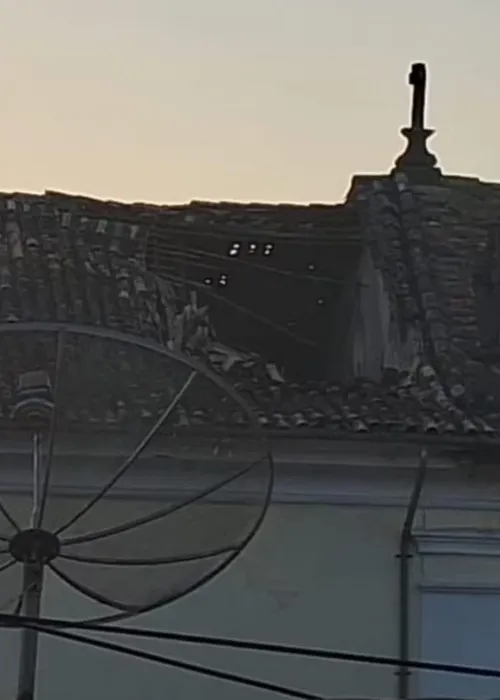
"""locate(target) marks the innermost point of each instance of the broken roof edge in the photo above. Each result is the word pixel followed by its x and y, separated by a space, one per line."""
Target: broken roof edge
pixel 286 222
pixel 250 204
pixel 321 436
pixel 362 180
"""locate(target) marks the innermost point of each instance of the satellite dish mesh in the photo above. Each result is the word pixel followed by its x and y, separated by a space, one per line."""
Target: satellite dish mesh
pixel 94 418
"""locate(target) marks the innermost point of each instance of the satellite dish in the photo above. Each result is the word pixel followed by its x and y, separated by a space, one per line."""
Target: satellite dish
pixel 92 417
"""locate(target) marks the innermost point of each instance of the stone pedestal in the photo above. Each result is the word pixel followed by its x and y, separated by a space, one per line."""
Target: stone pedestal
pixel 417 163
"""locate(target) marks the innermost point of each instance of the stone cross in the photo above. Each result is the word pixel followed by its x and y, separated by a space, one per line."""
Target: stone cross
pixel 417 80
pixel 416 162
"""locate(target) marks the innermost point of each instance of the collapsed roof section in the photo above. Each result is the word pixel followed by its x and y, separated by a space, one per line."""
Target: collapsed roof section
pixel 271 275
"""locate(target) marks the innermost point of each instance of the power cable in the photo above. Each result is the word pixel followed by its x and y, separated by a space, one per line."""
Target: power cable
pixel 230 233
pixel 243 309
pixel 158 219
pixel 265 647
pixel 182 281
pixel 17 599
pixel 177 663
pixel 165 249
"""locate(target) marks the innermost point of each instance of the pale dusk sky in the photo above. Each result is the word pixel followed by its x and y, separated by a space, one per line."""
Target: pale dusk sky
pixel 269 100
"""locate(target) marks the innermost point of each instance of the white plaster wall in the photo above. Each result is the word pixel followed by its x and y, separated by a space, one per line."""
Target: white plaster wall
pixel 316 575
pixel 456 551
pixel 322 572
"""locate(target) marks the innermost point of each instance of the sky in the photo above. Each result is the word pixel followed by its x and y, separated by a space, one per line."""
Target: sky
pixel 249 100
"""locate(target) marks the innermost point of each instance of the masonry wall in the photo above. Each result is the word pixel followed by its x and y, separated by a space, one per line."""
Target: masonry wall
pixel 374 334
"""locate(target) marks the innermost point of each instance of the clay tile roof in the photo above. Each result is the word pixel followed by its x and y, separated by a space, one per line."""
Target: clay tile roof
pixel 224 218
pixel 83 262
pixel 65 266
pixel 438 247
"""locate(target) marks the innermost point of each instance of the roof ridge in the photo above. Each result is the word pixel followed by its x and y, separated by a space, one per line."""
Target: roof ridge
pixel 421 279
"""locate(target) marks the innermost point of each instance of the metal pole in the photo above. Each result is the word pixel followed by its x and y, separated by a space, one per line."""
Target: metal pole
pixel 32 587
pixel 36 479
pixel 404 578
pixel 32 594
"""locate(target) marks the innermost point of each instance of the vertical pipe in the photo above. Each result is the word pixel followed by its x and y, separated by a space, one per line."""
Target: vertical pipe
pixel 32 593
pixel 404 578
pixel 36 480
pixel 32 587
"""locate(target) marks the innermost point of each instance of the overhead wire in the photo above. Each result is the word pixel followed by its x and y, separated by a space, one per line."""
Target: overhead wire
pixel 180 252
pixel 54 624
pixel 160 221
pixel 177 663
pixel 18 599
pixel 238 307
pixel 240 234
pixel 198 252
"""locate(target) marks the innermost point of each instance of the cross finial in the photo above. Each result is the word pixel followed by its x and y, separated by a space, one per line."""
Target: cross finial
pixel 418 80
pixel 416 162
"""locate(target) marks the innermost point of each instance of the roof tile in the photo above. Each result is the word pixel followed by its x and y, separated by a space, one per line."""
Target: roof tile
pixel 82 262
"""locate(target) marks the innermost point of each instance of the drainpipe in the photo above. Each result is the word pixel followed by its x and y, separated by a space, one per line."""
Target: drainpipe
pixel 404 556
